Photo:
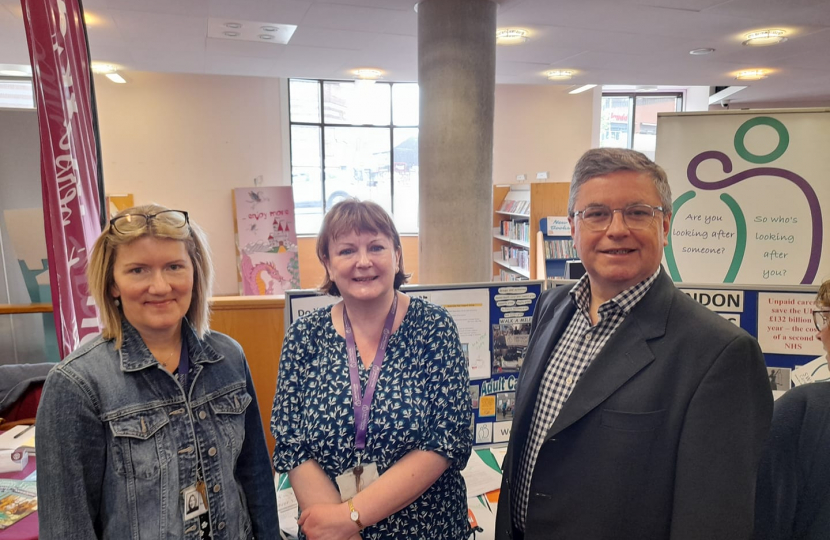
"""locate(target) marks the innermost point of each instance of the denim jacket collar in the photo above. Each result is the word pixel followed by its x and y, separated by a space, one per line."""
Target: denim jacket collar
pixel 136 356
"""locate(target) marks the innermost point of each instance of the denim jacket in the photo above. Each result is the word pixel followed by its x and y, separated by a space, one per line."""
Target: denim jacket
pixel 119 440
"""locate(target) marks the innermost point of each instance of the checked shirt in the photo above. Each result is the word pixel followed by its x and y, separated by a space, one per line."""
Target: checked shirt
pixel 579 345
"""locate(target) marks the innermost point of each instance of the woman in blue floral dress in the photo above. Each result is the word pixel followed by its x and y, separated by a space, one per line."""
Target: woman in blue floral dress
pixel 396 474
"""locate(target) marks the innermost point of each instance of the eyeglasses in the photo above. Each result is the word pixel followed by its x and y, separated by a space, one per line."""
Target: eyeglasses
pixel 635 216
pixel 821 317
pixel 127 223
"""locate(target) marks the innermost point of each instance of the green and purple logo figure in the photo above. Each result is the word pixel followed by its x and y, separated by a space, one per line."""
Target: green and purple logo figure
pixel 734 207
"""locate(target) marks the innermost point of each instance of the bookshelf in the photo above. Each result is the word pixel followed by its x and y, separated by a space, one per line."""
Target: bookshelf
pixel 556 246
pixel 517 210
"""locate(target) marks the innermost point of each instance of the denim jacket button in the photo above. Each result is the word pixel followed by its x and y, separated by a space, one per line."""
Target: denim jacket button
pixel 202 415
pixel 212 452
pixel 217 488
pixel 221 525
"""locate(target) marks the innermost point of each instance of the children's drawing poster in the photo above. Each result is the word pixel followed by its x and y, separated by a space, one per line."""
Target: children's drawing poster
pixel 750 195
pixel 266 240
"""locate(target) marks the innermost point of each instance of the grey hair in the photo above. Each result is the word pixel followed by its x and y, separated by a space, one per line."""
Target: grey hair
pixel 603 161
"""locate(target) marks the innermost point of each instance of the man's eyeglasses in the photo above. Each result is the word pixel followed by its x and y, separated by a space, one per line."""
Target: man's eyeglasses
pixel 821 317
pixel 127 223
pixel 635 216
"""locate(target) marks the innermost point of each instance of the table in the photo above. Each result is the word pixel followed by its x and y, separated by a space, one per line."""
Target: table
pixel 26 528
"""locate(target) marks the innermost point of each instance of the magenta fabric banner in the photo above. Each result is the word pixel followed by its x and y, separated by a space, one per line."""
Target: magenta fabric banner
pixel 70 174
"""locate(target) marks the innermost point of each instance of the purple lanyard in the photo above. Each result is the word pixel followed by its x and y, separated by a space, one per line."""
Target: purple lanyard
pixel 362 405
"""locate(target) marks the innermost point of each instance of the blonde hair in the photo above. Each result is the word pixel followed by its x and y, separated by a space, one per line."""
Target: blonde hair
pixel 101 263
pixel 352 215
pixel 823 295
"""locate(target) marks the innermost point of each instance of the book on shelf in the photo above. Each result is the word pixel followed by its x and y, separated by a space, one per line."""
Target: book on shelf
pixel 513 256
pixel 515 230
pixel 515 206
pixel 507 275
pixel 560 249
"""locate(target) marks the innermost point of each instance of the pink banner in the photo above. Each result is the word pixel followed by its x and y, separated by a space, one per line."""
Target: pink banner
pixel 56 35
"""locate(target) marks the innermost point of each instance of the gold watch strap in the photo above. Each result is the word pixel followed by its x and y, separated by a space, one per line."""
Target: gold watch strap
pixel 353 510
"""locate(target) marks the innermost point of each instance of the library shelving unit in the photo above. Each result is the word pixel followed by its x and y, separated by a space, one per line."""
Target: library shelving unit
pixel 555 247
pixel 517 208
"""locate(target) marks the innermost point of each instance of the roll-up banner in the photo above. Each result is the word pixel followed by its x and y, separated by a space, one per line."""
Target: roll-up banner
pixel 70 173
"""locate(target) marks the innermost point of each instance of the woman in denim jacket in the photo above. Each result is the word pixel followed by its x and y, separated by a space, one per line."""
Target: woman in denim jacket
pixel 152 430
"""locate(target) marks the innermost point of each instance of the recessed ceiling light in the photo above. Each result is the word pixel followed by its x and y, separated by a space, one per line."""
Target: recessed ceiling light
pixel 116 78
pixel 231 34
pixel 367 73
pixel 511 36
pixel 233 25
pixel 269 28
pixel 266 37
pixel 582 89
pixel 702 51
pixel 559 74
pixel 103 69
pixel 752 75
pixel 762 38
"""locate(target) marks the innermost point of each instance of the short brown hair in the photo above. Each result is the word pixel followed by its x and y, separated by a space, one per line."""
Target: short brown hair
pixel 823 295
pixel 602 161
pixel 352 215
pixel 102 261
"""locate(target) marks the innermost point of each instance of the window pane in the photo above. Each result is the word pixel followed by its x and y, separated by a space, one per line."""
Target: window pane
pixel 305 100
pixel 405 104
pixel 614 130
pixel 645 121
pixel 405 154
pixel 357 165
pixel 17 94
pixel 362 102
pixel 307 178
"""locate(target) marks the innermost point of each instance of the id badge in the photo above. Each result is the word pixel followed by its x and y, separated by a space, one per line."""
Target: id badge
pixel 355 480
pixel 194 503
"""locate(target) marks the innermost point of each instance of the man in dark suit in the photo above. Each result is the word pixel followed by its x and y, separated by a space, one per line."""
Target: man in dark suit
pixel 639 414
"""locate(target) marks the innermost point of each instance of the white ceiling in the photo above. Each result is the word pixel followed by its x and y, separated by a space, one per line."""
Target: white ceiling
pixel 629 42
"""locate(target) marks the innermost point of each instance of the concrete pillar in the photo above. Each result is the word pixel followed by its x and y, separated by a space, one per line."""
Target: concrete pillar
pixel 457 79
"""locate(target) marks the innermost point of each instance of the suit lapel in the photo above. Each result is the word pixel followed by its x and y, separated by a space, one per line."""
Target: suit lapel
pixel 543 340
pixel 622 357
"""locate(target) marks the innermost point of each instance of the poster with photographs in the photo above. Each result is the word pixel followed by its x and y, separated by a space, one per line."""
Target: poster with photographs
pixel 505 403
pixel 509 346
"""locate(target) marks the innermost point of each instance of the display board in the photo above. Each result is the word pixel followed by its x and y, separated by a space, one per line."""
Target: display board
pixel 493 321
pixel 750 195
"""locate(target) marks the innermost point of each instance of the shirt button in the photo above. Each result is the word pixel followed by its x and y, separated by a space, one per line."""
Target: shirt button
pixel 588 337
pixel 221 525
pixel 202 415
pixel 569 380
pixel 212 452
pixel 217 488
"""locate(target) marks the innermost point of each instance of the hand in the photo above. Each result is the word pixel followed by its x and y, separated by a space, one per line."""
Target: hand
pixel 328 522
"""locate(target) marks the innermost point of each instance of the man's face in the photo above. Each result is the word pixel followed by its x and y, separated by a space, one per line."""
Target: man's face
pixel 618 257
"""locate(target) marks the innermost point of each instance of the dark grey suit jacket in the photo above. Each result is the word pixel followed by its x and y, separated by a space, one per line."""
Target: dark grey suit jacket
pixel 660 438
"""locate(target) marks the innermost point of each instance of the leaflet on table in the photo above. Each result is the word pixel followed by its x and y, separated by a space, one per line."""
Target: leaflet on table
pixel 287 506
pixel 18 499
pixel 18 436
pixel 470 309
pixel 815 371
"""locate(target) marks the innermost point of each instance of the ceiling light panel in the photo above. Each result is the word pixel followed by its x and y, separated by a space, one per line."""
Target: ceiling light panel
pixel 259 31
pixel 763 38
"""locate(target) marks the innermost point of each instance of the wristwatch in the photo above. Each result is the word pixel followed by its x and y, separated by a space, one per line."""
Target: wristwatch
pixel 354 515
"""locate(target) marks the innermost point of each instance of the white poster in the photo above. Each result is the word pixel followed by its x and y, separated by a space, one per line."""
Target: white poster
pixel 470 309
pixel 785 324
pixel 750 195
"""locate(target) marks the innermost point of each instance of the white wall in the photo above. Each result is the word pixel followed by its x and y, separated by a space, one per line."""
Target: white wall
pixel 185 141
pixel 540 128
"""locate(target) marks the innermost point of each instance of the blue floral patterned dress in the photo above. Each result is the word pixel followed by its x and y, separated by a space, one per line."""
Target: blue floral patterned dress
pixel 421 402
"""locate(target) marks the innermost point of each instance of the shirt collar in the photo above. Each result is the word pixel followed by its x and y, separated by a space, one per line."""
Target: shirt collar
pixel 624 301
pixel 136 356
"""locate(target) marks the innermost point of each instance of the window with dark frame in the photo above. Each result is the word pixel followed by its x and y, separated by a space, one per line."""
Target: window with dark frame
pixel 629 120
pixel 353 139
